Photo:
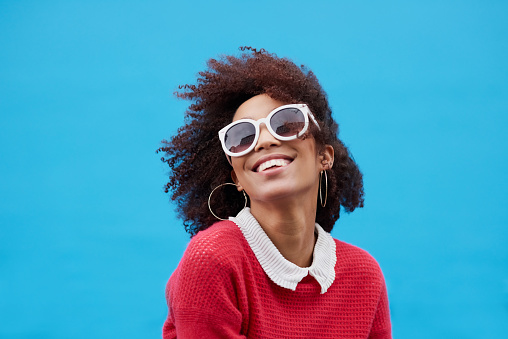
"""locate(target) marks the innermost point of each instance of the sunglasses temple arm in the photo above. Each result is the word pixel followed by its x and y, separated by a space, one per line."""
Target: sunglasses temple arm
pixel 314 120
pixel 229 159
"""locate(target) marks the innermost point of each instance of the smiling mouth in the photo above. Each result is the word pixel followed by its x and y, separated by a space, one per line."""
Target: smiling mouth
pixel 272 163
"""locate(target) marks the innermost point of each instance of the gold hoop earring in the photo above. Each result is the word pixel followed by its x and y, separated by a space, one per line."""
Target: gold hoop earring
pixel 323 204
pixel 210 197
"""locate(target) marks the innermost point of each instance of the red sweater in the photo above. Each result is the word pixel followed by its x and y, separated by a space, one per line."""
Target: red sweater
pixel 219 290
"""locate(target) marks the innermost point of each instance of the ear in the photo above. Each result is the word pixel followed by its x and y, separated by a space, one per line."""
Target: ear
pixel 326 156
pixel 235 180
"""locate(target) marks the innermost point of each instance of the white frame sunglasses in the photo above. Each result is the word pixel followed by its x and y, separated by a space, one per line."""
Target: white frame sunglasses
pixel 301 107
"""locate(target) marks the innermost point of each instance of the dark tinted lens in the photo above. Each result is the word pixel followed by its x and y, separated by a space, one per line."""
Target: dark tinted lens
pixel 240 137
pixel 288 122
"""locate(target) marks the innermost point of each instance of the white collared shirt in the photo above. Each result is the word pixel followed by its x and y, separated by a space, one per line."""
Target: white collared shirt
pixel 280 270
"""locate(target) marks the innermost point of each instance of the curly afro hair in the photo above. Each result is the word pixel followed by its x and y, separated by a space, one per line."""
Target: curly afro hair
pixel 195 156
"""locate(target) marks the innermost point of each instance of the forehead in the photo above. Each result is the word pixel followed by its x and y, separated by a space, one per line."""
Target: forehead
pixel 257 107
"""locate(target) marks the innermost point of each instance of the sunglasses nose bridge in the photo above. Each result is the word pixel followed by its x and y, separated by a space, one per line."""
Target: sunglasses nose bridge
pixel 262 121
pixel 265 137
pixel 259 122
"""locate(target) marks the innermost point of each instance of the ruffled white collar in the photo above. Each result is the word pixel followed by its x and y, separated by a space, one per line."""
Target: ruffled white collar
pixel 280 270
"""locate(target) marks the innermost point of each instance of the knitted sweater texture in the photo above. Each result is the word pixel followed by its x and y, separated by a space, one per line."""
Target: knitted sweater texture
pixel 219 290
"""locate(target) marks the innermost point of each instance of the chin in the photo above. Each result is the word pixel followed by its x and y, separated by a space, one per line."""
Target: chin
pixel 278 192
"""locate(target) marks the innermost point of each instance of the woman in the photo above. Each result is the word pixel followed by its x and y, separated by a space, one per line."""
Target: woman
pixel 260 143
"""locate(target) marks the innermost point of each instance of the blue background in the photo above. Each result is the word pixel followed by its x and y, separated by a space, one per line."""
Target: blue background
pixel 88 238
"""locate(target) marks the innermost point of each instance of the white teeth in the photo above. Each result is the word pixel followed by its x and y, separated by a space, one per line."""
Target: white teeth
pixel 272 163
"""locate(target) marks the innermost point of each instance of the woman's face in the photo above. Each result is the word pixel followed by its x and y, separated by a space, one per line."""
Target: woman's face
pixel 277 169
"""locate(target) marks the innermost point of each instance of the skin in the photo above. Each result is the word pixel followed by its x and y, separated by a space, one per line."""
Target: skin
pixel 282 199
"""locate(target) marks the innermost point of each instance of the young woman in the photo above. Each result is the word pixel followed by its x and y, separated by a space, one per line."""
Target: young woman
pixel 260 146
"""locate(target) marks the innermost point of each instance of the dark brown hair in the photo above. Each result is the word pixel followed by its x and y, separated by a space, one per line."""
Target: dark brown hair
pixel 195 157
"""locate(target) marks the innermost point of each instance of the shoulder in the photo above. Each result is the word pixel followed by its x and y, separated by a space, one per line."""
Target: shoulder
pixel 221 239
pixel 225 229
pixel 212 251
pixel 211 259
pixel 354 260
pixel 201 291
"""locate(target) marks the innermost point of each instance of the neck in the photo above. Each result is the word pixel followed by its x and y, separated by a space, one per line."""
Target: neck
pixel 290 227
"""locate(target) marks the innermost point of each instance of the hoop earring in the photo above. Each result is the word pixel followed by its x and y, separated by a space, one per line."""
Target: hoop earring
pixel 210 197
pixel 323 204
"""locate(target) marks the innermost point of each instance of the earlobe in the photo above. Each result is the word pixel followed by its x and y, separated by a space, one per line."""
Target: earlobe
pixel 235 180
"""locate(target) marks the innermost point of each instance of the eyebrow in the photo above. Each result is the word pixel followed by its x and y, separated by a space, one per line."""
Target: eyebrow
pixel 248 117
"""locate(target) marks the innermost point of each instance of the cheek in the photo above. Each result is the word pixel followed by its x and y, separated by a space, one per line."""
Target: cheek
pixel 238 171
pixel 310 151
pixel 237 164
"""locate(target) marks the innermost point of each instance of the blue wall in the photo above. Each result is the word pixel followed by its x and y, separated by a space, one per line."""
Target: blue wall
pixel 88 238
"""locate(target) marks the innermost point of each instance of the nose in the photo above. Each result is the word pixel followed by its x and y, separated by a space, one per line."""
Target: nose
pixel 266 139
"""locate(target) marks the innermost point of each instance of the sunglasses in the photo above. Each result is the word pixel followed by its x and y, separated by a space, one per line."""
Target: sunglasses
pixel 286 122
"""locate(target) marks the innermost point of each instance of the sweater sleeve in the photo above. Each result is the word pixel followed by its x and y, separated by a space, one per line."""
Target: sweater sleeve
pixel 381 327
pixel 201 294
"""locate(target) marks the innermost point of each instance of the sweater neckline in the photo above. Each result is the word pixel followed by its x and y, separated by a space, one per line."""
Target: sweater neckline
pixel 280 270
